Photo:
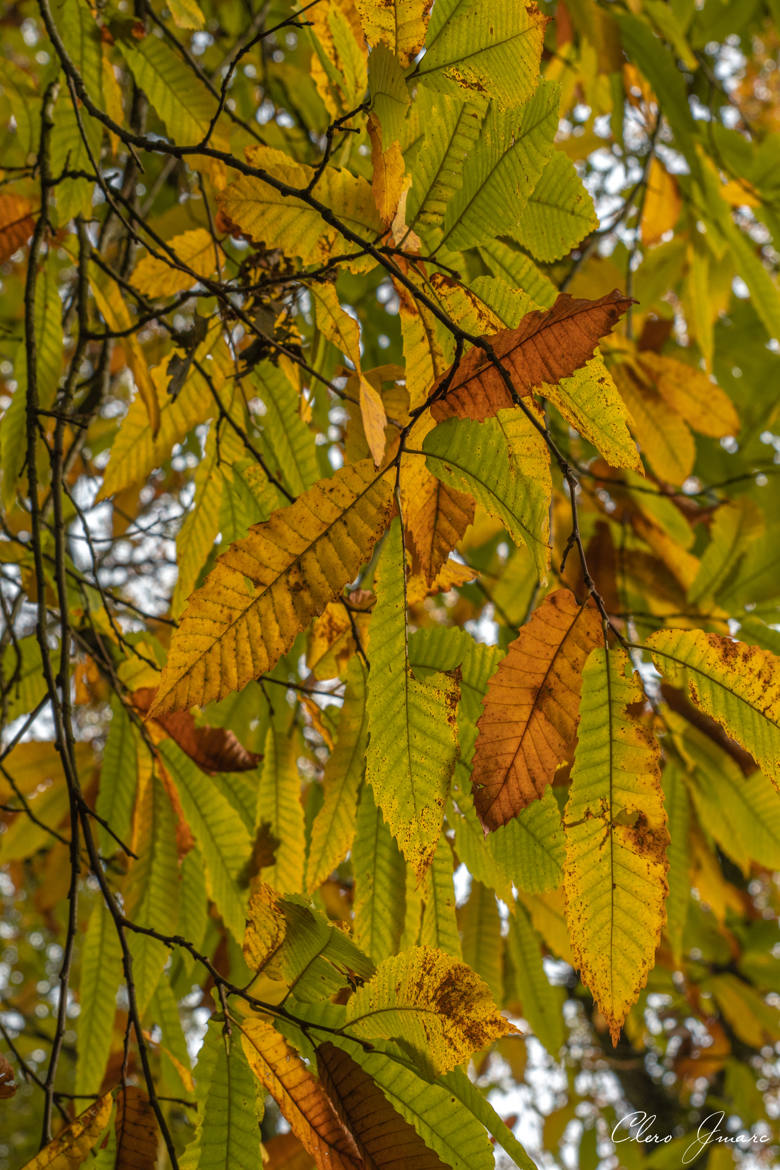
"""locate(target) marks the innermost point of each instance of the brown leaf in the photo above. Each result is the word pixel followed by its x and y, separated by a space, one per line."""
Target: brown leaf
pixel 214 749
pixel 383 1137
pixel 528 724
pixel 546 346
pixel 8 1084
pixel 300 1096
pixel 136 1131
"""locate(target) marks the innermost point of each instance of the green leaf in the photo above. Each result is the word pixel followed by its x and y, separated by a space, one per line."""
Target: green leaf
pixel 412 724
pixel 484 46
pixel 48 338
pixel 285 442
pixel 741 812
pixel 229 1108
pixel 734 530
pixel 178 98
pixel 518 271
pixel 380 875
pixel 483 946
pixel 101 977
pixel 152 891
pixel 439 923
pixel 479 1107
pixel 118 779
pixel 541 1003
pixel 503 170
pixel 616 838
pixel 334 825
pixel 504 463
pixel 280 812
pixel 220 833
pixel 738 685
pixel 678 812
pixel 449 132
pixel 559 213
pixel 529 849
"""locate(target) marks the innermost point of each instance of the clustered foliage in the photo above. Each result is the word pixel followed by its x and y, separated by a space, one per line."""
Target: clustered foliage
pixel 389 577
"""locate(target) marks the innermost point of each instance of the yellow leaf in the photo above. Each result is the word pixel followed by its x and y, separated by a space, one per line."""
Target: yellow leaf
pixel 590 401
pixel 433 1002
pixel 663 435
pixel 339 64
pixel 300 1097
pixel 399 24
pixel 157 277
pixel 72 1145
pixel 340 328
pixel 527 727
pixel 283 221
pixel 186 14
pixel 738 685
pixel 662 203
pixel 267 588
pixel 266 926
pixel 692 393
pixel 372 412
pixel 116 315
pixel 389 179
pixel 616 838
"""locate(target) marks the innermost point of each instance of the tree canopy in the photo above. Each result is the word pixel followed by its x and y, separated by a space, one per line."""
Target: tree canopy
pixel 390 584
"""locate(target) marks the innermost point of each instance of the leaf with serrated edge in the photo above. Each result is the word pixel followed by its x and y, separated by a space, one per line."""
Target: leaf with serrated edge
pixel 431 1002
pixel 300 1097
pixel 527 727
pixel 267 588
pixel 738 685
pixel 384 1139
pixel 412 725
pixel 616 838
pixel 546 346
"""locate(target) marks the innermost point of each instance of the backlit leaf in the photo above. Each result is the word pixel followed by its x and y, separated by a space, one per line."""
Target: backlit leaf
pixel 616 838
pixel 529 720
pixel 265 589
pixel 441 1009
pixel 738 685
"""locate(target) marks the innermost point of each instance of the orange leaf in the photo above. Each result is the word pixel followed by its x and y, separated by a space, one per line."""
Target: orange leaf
pixel 300 1096
pixel 546 346
pixel 214 749
pixel 8 1084
pixel 285 1152
pixel 527 728
pixel 372 412
pixel 382 1135
pixel 16 224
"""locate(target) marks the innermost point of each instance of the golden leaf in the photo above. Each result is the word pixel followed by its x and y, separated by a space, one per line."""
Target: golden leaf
pixel 399 24
pixel 267 588
pixel 73 1144
pixel 300 1097
pixel 662 203
pixel 527 727
pixel 158 277
pixel 692 393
